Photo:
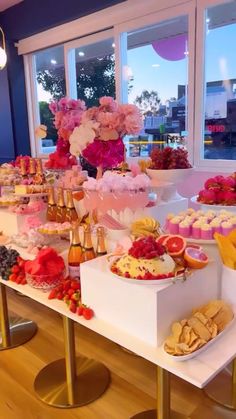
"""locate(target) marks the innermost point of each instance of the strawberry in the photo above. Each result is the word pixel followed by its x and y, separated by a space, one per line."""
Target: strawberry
pixel 52 294
pixel 80 310
pixel 72 307
pixel 67 284
pixel 12 277
pixel 70 292
pixel 15 269
pixel 75 297
pixel 60 296
pixel 88 313
pixel 75 285
pixel 23 281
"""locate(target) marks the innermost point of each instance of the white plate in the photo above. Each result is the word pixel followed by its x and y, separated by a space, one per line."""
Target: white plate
pixel 149 281
pixel 213 207
pixel 180 358
pixel 199 241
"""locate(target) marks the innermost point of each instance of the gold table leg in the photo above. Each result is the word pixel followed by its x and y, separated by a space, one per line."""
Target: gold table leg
pixel 72 381
pixel 16 331
pixel 222 389
pixel 163 410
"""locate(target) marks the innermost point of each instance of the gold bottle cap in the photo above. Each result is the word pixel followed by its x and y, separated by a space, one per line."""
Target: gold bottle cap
pixel 69 201
pixel 32 169
pixel 75 238
pixel 60 197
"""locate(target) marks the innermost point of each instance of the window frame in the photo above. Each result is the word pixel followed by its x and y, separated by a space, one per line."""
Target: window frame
pixel 202 164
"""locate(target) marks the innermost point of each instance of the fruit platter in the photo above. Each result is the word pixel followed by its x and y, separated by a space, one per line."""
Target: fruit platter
pixel 189 337
pixel 158 261
pixel 219 192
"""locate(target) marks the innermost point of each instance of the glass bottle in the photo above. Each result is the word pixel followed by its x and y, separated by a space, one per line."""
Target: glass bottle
pixel 101 247
pixel 61 208
pixel 88 250
pixel 75 254
pixel 39 178
pixel 71 214
pixel 23 170
pixel 52 207
pixel 32 167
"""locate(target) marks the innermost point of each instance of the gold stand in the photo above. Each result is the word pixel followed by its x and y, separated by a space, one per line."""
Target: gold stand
pixel 163 410
pixel 16 331
pixel 222 389
pixel 72 381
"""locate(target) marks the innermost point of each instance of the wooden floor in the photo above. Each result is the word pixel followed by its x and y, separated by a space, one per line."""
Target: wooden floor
pixel 132 388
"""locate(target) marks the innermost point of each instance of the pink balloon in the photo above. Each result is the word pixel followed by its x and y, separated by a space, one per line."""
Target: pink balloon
pixel 172 49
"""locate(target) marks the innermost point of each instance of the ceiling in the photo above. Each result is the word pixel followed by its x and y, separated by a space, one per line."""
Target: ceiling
pixel 5 4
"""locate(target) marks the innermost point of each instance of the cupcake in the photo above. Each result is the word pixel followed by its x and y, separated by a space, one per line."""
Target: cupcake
pixel 233 221
pixel 174 225
pixel 168 218
pixel 206 232
pixel 196 230
pixel 190 211
pixel 226 227
pixel 215 225
pixel 184 229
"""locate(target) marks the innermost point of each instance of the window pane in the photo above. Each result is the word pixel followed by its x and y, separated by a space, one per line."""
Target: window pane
pixel 157 71
pixel 220 83
pixel 95 71
pixel 50 81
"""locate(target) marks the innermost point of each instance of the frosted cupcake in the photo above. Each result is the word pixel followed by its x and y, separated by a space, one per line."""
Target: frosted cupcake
pixel 226 227
pixel 174 225
pixel 184 229
pixel 168 218
pixel 216 226
pixel 190 211
pixel 196 230
pixel 206 232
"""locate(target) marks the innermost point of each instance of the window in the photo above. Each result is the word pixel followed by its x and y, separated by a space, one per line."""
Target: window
pixel 219 112
pixel 157 74
pixel 50 85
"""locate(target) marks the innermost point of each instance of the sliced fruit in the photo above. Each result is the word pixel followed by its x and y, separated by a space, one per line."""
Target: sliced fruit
pixel 162 238
pixel 175 245
pixel 194 246
pixel 195 258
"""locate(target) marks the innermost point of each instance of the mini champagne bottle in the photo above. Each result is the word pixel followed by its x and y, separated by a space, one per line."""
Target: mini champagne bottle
pixel 61 208
pixel 71 214
pixel 52 207
pixel 75 254
pixel 88 250
pixel 101 247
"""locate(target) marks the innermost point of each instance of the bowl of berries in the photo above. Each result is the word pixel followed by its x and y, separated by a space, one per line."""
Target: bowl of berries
pixel 169 165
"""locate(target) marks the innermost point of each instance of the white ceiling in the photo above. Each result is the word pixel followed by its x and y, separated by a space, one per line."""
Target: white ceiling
pixel 4 4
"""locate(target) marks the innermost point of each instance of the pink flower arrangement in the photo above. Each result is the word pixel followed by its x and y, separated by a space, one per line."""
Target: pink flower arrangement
pixel 99 136
pixel 68 114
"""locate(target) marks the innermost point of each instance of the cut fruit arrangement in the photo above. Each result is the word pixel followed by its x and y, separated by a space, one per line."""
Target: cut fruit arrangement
pixel 169 158
pixel 68 290
pixel 219 190
pixel 166 257
pixel 12 266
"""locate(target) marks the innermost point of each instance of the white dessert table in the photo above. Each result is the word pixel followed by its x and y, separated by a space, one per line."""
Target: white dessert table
pixel 198 371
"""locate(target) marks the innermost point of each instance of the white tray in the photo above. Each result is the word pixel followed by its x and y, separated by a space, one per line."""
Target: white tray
pixel 199 241
pixel 213 207
pixel 180 358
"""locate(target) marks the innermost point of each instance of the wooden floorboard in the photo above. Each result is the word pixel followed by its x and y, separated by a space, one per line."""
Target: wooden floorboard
pixel 132 389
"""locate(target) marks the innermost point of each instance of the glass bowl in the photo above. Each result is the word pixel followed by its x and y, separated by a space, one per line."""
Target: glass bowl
pixel 44 282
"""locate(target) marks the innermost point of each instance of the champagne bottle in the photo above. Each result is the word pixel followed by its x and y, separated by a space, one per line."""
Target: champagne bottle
pixel 39 178
pixel 61 208
pixel 23 170
pixel 71 214
pixel 88 250
pixel 52 207
pixel 32 167
pixel 101 247
pixel 75 254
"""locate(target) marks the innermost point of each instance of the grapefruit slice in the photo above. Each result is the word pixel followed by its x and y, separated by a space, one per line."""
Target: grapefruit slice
pixel 175 245
pixel 195 258
pixel 161 239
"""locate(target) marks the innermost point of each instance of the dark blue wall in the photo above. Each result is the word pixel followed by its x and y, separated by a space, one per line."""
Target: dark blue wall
pixel 23 20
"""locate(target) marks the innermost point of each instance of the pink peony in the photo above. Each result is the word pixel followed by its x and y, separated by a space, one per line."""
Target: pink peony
pixel 105 154
pixel 229 198
pixel 108 102
pixel 211 183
